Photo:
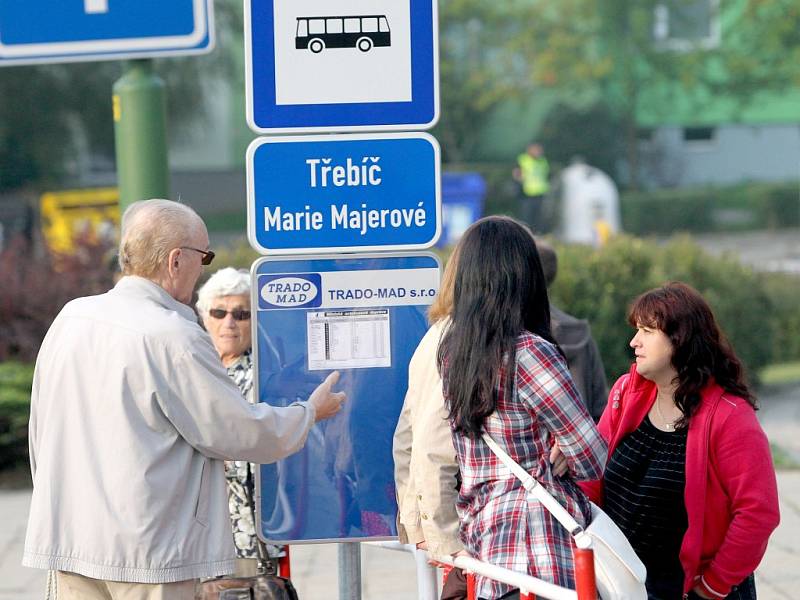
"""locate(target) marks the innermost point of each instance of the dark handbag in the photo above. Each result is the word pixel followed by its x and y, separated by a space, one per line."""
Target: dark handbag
pixel 266 585
pixel 260 587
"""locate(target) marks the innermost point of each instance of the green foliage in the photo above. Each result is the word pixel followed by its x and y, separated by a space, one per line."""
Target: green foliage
pixel 599 284
pixel 492 52
pixel 783 459
pixel 734 208
pixel 744 207
pixel 15 397
pixel 591 132
pixel 780 374
pixel 734 291
pixel 784 292
pixel 48 111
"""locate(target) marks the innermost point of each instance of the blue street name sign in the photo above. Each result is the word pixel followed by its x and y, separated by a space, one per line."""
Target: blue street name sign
pixel 343 193
pixel 45 31
pixel 363 316
pixel 341 65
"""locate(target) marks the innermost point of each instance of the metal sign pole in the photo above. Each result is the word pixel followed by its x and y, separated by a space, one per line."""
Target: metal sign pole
pixel 350 571
pixel 140 131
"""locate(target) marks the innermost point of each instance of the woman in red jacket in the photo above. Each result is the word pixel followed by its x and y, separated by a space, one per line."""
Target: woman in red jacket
pixel 689 477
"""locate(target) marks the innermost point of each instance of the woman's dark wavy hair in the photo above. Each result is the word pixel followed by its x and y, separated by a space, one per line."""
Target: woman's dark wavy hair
pixel 499 292
pixel 700 350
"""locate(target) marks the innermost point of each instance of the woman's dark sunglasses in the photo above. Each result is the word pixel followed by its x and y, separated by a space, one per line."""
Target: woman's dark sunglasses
pixel 238 314
pixel 208 255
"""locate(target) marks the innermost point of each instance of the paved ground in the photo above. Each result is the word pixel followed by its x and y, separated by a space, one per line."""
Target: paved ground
pixel 766 250
pixel 390 575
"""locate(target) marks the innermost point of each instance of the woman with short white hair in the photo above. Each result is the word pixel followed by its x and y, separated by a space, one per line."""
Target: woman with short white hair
pixel 223 304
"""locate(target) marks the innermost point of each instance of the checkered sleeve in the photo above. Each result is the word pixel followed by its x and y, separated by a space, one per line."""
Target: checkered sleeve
pixel 545 385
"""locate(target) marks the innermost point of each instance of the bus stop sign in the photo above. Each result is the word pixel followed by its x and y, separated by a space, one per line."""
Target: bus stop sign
pixel 341 65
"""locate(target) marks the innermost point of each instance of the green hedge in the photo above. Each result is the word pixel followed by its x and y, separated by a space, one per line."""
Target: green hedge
pixel 784 293
pixel 742 207
pixel 15 398
pixel 759 312
pixel 735 208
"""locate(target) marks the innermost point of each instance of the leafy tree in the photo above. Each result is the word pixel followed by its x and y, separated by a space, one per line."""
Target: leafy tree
pixel 583 50
pixel 591 133
pixel 48 112
pixel 41 109
pixel 492 52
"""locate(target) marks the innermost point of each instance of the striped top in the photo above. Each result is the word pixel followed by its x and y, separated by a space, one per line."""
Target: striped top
pixel 644 483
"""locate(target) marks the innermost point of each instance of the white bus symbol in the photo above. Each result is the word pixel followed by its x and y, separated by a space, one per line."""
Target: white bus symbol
pixel 362 32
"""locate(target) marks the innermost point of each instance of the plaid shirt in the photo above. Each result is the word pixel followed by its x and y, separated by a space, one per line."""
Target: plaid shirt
pixel 499 523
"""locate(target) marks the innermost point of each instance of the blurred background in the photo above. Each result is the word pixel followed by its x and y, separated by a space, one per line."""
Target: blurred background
pixel 671 130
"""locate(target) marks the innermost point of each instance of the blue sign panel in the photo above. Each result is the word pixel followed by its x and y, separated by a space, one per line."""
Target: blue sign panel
pixel 462 204
pixel 343 193
pixel 33 31
pixel 341 65
pixel 363 316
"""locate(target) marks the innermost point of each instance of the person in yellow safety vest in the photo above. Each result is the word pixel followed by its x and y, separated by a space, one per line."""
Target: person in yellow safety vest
pixel 533 173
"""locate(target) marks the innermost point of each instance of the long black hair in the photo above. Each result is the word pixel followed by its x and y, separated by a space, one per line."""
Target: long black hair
pixel 499 292
pixel 700 350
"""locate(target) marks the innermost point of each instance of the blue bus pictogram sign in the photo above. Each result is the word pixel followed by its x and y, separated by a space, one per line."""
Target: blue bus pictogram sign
pixel 336 65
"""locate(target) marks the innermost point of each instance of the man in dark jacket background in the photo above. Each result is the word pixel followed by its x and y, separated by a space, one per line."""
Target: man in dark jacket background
pixel 575 338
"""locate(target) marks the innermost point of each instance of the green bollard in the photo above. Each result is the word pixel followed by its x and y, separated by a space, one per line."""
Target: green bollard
pixel 140 133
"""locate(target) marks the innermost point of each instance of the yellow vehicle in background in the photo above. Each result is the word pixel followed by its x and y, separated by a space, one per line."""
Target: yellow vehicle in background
pixel 89 214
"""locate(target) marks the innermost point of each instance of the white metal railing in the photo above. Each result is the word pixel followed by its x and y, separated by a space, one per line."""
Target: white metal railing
pixel 525 583
pixel 427 576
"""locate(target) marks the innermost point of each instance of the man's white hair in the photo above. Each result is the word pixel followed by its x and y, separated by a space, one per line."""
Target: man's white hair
pixel 225 282
pixel 151 229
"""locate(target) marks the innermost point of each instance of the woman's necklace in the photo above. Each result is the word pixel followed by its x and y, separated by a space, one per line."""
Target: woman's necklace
pixel 670 425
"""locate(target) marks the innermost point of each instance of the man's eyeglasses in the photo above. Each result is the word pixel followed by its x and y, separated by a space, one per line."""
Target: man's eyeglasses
pixel 208 255
pixel 238 314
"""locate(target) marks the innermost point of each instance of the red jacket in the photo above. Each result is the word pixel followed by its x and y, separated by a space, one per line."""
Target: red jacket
pixel 731 495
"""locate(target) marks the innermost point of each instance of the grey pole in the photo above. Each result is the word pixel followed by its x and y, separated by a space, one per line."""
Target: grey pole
pixel 427 577
pixel 350 571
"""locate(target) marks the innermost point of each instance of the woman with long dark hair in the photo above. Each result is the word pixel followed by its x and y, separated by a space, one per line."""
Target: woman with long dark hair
pixel 504 374
pixel 689 477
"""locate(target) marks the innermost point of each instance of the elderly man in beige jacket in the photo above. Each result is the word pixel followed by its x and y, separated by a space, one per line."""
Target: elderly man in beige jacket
pixel 132 416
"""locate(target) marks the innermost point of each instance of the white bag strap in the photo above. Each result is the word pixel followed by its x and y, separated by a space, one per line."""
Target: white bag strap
pixel 532 485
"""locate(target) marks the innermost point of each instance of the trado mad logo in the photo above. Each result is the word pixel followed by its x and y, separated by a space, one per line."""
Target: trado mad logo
pixel 289 291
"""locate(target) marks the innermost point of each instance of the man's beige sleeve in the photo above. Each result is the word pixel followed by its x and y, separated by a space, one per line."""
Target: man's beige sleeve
pixel 210 413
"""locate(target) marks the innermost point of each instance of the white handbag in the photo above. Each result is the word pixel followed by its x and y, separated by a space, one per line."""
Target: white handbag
pixel 619 572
